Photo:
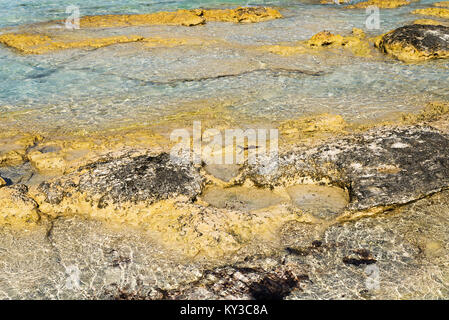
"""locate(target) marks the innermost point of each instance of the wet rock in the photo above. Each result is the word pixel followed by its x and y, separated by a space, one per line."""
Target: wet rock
pixel 442 4
pixel 334 1
pixel 11 158
pixel 39 44
pixel 401 255
pixel 17 209
pixel 180 17
pixel 355 42
pixel 233 282
pixel 241 198
pixel 359 257
pixel 14 146
pixel 52 162
pixel 321 201
pixel 416 42
pixel 157 195
pixel 431 22
pixel 240 15
pixel 433 111
pixel 435 12
pixel 382 4
pixel 127 179
pixel 381 168
pixel 183 17
pixel 385 257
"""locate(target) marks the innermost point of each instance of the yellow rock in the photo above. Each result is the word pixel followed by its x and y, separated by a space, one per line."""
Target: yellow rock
pixel 11 158
pixel 305 128
pixel 435 12
pixel 182 17
pixel 240 15
pixel 432 111
pixel 358 33
pixel 356 42
pixel 429 22
pixel 406 50
pixel 38 44
pixel 193 229
pixel 377 40
pixel 443 4
pixel 285 50
pixel 174 42
pixel 334 1
pixel 16 208
pixel 51 162
pixel 13 148
pixel 382 4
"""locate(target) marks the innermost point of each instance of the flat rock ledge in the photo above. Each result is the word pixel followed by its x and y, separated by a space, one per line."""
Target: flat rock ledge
pixel 380 168
pixel 128 179
pixel 416 42
pixel 401 255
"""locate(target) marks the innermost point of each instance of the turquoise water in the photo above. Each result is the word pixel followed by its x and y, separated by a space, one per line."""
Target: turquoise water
pixel 128 83
pixel 15 12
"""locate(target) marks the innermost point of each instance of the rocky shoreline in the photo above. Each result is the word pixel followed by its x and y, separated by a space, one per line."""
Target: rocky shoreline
pixel 351 212
pixel 395 178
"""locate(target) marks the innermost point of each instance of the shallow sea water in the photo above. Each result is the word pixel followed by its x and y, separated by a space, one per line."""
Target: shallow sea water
pixel 128 83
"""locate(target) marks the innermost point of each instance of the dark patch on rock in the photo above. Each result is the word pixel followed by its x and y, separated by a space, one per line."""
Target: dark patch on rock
pixel 317 243
pixel 128 178
pixel 243 283
pixel 141 178
pixel 297 251
pixel 359 257
pixel 380 168
pixel 55 192
pixel 429 41
pixel 273 287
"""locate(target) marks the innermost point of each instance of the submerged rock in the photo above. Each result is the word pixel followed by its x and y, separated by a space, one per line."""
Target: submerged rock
pixel 416 42
pixel 14 148
pixel 125 180
pixel 241 283
pixel 356 42
pixel 431 22
pixel 435 12
pixel 380 168
pixel 39 44
pixel 240 15
pixel 442 4
pixel 180 17
pixel 382 4
pixel 401 255
pixel 17 208
pixel 183 17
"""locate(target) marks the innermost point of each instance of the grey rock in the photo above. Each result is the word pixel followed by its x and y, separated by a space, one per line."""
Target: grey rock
pixel 429 41
pixel 379 168
pixel 145 177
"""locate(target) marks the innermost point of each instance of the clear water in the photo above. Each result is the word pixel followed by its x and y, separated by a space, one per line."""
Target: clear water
pixel 130 84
